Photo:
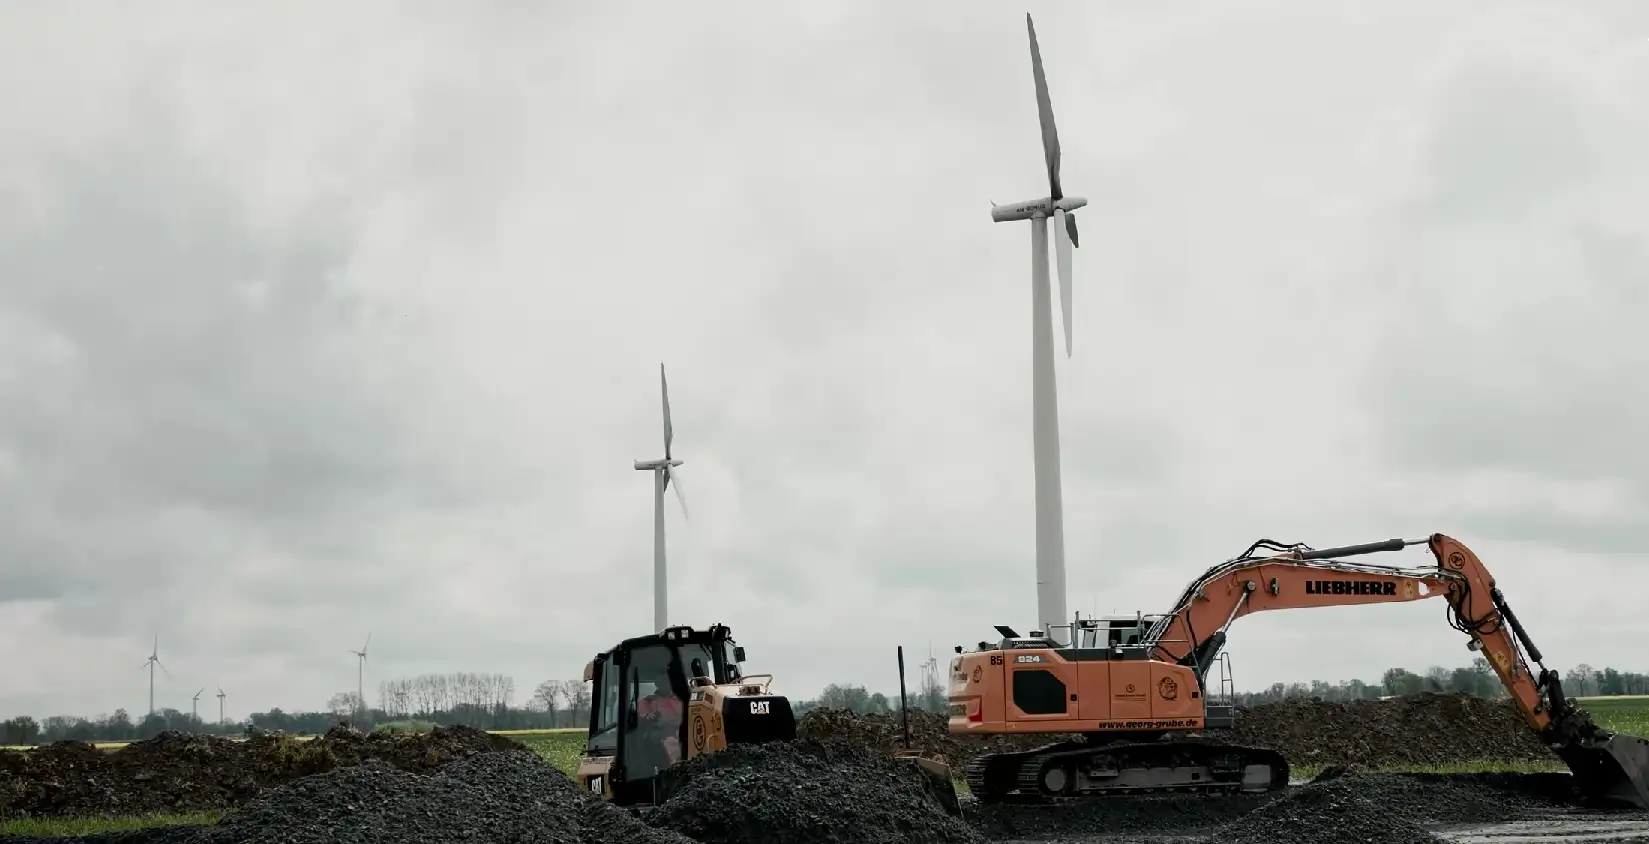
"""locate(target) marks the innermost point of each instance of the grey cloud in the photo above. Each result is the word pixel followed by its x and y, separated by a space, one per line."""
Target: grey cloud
pixel 368 340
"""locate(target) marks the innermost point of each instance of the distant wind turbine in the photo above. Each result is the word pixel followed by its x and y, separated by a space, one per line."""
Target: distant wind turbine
pixel 1050 518
pixel 360 672
pixel 150 663
pixel 663 472
pixel 194 706
pixel 221 696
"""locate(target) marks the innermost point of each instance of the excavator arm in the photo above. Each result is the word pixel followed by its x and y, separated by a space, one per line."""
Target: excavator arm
pixel 1607 766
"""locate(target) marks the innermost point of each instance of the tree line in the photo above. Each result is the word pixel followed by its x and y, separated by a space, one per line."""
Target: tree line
pixel 1477 679
pixel 486 701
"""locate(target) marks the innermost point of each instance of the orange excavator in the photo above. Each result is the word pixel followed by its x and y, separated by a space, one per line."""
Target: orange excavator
pixel 1134 693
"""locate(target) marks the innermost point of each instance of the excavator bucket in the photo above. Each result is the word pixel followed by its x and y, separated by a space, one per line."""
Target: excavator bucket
pixel 1613 769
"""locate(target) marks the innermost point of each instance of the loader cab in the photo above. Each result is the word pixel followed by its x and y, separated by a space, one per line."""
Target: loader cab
pixel 648 699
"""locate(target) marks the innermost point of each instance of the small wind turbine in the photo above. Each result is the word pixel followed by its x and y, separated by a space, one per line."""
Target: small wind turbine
pixel 360 673
pixel 221 696
pixel 663 472
pixel 194 706
pixel 1050 519
pixel 150 663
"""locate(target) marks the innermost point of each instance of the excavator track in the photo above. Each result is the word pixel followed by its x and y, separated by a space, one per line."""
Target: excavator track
pixel 1068 771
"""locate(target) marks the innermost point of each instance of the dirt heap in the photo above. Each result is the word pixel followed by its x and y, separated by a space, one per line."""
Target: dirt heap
pixel 1394 808
pixel 1412 730
pixel 180 772
pixel 928 733
pixel 795 793
pixel 490 797
pixel 1416 729
pixel 807 792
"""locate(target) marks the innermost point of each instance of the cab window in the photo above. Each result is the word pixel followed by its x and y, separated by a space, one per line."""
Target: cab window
pixel 604 736
pixel 649 673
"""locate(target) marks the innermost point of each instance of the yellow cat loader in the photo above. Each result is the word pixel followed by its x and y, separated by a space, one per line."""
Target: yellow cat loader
pixel 676 695
pixel 667 697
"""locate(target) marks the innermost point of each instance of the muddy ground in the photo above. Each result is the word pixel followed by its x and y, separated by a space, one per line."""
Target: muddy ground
pixel 834 785
pixel 811 792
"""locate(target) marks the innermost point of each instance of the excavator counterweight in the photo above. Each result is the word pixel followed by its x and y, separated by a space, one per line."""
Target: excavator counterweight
pixel 1136 694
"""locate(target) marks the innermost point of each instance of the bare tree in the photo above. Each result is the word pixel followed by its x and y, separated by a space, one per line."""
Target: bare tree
pixel 549 694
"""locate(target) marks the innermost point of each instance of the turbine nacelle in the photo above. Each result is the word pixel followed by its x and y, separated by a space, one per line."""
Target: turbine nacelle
pixel 1031 209
pixel 652 465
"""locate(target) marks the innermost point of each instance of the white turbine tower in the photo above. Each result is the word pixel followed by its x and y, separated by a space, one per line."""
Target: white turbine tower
pixel 221 696
pixel 1050 520
pixel 150 663
pixel 360 673
pixel 663 472
pixel 194 705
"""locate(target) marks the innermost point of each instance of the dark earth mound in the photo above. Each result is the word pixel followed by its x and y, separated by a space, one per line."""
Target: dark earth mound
pixel 1414 729
pixel 1422 729
pixel 492 797
pixel 1397 808
pixel 807 792
pixel 179 772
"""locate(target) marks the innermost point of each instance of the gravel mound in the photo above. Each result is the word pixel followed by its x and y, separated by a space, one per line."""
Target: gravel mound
pixel 1398 808
pixel 806 792
pixel 494 797
pixel 180 772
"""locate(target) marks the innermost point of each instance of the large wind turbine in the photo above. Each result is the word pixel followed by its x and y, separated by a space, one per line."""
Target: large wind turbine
pixel 1050 519
pixel 663 472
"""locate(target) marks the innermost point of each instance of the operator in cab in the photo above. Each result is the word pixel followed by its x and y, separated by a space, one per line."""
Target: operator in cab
pixel 663 705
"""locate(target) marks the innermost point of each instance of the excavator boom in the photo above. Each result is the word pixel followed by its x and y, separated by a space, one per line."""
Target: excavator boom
pixel 1606 766
pixel 994 692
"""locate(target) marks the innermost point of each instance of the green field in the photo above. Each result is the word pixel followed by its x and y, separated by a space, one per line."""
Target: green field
pixel 563 748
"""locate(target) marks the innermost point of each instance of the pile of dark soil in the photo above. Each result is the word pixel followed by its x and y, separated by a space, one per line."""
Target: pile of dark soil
pixel 179 772
pixel 1395 808
pixel 1415 729
pixel 493 797
pixel 929 733
pixel 1419 729
pixel 807 792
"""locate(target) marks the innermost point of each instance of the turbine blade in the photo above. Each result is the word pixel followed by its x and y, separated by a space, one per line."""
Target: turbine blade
pixel 368 643
pixel 1062 241
pixel 680 499
pixel 164 669
pixel 1070 229
pixel 1045 114
pixel 664 390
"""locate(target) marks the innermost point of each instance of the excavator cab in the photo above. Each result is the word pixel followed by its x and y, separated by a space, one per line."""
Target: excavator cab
pixel 667 697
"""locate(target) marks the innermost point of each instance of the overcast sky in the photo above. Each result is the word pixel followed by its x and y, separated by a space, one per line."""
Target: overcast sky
pixel 318 319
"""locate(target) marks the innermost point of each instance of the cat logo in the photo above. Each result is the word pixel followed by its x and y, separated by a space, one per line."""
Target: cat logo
pixel 1168 689
pixel 700 732
pixel 978 673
